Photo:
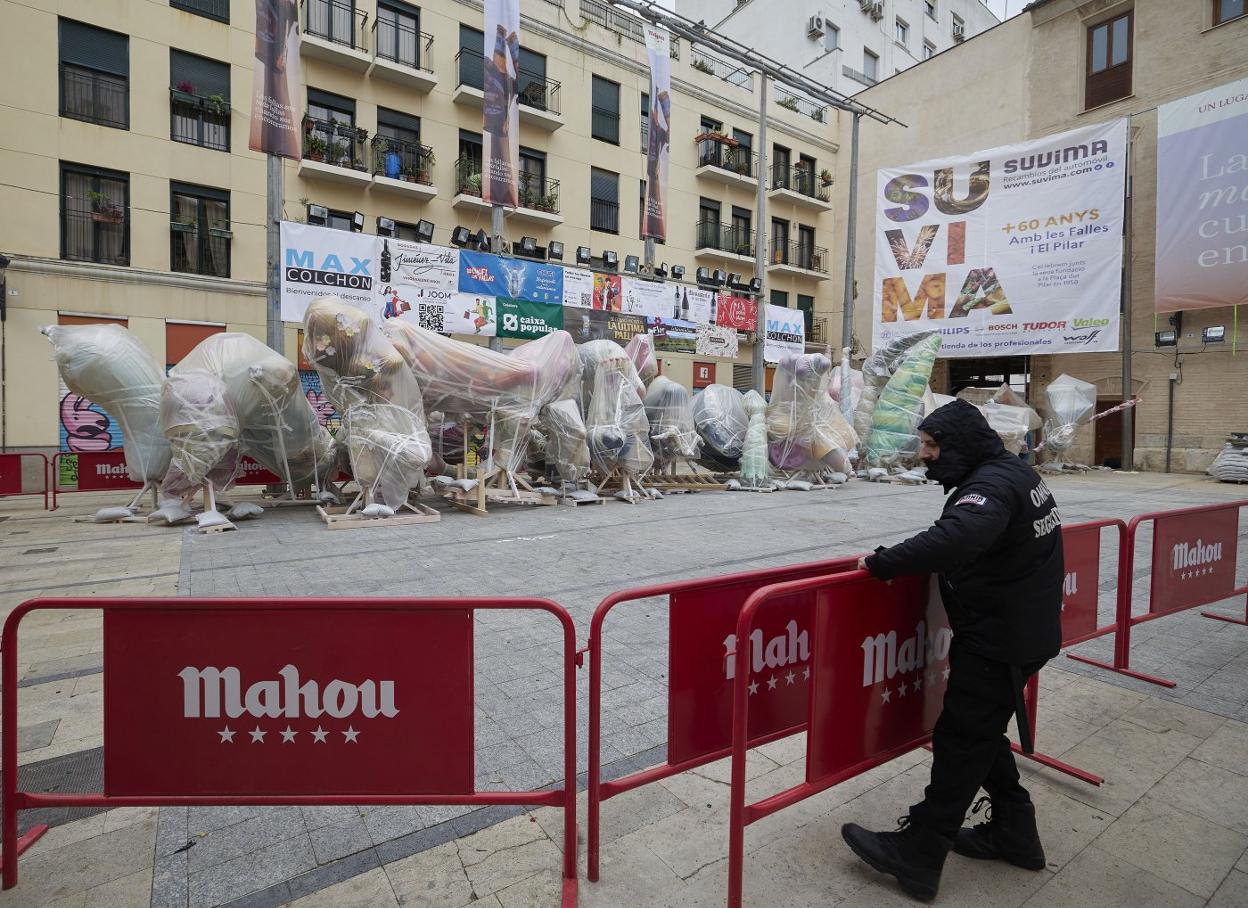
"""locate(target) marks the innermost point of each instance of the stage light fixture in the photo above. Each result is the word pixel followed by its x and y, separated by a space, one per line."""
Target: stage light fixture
pixel 703 275
pixel 1167 338
pixel 660 271
pixel 482 240
pixel 718 277
pixel 1214 334
pixel 610 260
pixel 317 214
pixel 631 264
pixel 357 222
pixel 678 272
pixel 424 231
pixel 756 285
pixel 528 247
pixel 460 236
pixel 554 251
pixel 583 255
pixel 385 226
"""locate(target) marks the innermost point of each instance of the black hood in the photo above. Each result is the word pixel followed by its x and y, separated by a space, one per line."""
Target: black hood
pixel 965 438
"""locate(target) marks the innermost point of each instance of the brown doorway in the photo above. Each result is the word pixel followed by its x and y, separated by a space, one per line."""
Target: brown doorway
pixel 1107 450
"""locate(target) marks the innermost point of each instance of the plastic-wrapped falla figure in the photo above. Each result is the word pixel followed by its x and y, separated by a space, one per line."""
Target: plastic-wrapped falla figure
pixel 669 410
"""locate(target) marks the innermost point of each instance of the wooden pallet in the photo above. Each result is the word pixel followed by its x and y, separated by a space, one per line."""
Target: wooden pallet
pixel 702 482
pixel 579 501
pixel 218 528
pixel 336 517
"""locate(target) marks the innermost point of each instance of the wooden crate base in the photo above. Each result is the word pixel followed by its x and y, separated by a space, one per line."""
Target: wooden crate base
pixel 573 502
pixel 337 518
pixel 687 483
pixel 522 496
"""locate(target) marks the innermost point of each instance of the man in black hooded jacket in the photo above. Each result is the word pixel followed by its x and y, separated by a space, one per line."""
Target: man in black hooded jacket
pixel 997 548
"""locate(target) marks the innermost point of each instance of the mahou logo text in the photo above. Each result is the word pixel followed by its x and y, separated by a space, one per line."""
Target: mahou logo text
pixel 882 658
pixel 207 692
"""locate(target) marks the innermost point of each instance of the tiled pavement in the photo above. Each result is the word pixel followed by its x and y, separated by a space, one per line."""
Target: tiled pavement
pixel 1169 748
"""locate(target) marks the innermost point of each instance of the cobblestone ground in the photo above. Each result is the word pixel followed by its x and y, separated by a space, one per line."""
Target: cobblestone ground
pixel 268 856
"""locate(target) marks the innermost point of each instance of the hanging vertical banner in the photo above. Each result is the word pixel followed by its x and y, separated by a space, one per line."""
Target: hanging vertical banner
pixel 658 49
pixel 1202 200
pixel 276 83
pixel 1009 251
pixel 786 333
pixel 501 109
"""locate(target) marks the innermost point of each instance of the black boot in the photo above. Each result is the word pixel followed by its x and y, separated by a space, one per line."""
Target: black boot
pixel 913 854
pixel 1009 835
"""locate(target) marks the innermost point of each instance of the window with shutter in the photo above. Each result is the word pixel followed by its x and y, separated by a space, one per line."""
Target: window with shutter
pixel 94 74
pixel 1109 61
pixel 604 201
pixel 605 116
pixel 199 101
pixel 95 215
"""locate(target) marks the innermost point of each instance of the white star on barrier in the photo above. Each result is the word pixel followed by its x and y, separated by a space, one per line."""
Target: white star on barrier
pixel 318 736
pixel 918 684
pixel 753 688
pixel 806 673
pixel 227 736
pixel 350 734
pixel 945 672
pixel 886 696
pixel 771 682
pixel 901 691
pixel 288 736
pixel 257 736
pixel 789 677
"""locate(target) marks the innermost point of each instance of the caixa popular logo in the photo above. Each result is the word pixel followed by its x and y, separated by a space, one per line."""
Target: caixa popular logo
pixel 882 658
pixel 211 692
pixel 790 647
pixel 1198 554
pixel 305 266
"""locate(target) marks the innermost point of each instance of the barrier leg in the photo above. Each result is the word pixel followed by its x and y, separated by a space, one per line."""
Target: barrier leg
pixel 1227 618
pixel 594 806
pixel 569 771
pixel 8 765
pixel 1031 695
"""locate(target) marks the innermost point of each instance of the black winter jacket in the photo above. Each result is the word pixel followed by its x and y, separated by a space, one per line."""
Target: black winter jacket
pixel 997 546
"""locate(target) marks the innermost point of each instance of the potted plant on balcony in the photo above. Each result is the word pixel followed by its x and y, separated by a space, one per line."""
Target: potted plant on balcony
pixel 185 223
pixel 217 104
pixel 703 66
pixel 424 163
pixel 314 147
pixel 825 177
pixel 103 209
pixel 549 203
pixel 788 102
pixel 339 153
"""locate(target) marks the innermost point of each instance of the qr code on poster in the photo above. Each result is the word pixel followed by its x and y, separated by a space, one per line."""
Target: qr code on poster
pixel 431 317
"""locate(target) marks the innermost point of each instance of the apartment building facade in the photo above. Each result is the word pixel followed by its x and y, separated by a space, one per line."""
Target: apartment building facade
pixel 131 196
pixel 1059 65
pixel 847 45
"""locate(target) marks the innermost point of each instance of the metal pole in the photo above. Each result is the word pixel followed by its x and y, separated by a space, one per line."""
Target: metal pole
pixel 648 251
pixel 1128 415
pixel 851 241
pixel 498 245
pixel 273 220
pixel 760 252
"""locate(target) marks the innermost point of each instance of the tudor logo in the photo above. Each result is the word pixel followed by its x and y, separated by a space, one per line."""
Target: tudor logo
pixel 206 691
pixel 882 659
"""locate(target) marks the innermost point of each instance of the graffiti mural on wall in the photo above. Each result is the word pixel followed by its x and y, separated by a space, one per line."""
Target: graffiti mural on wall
pixel 84 426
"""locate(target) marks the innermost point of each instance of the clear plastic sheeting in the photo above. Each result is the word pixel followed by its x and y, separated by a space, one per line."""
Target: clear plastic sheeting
pixel 203 429
pixel 566 445
pixel 641 351
pixel 876 372
pixel 1072 403
pixel 846 377
pixel 721 421
pixel 669 409
pixel 383 421
pixel 1011 423
pixel 595 352
pixel 805 428
pixel 894 440
pixel 754 466
pixel 503 391
pixel 617 429
pixel 110 367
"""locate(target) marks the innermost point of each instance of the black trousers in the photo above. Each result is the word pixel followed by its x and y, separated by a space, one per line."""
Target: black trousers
pixel 969 746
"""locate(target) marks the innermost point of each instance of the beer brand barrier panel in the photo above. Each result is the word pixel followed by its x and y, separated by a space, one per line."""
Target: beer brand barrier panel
pixel 703 658
pixel 1194 559
pixel 879 653
pixel 11 485
pixel 351 701
pixel 1081 543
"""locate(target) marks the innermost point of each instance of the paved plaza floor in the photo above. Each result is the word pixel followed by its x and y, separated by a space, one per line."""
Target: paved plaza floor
pixel 1169 827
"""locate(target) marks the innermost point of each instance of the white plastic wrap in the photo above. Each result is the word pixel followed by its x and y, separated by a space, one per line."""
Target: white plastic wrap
pixel 594 352
pixel 1072 403
pixel 846 376
pixel 876 372
pixel 1011 423
pixel 640 350
pixel 754 466
pixel 383 417
pixel 894 440
pixel 203 429
pixel 805 428
pixel 1231 464
pixel 566 444
pixel 617 428
pixel 110 367
pixel 669 409
pixel 720 418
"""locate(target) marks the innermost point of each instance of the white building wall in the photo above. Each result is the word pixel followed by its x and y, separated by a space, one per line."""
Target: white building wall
pixel 780 29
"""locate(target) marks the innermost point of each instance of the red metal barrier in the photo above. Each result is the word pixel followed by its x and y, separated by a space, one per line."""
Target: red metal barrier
pixel 1193 563
pixel 878 687
pixel 98 471
pixel 1082 545
pixel 177 670
pixel 11 476
pixel 702 657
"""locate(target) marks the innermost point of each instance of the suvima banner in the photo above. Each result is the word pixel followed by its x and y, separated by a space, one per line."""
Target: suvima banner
pixel 658 147
pixel 1202 199
pixel 1013 250
pixel 276 83
pixel 501 124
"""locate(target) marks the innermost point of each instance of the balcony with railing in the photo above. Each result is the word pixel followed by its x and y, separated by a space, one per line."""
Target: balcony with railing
pixel 95 231
pixel 337 32
pixel 539 97
pixel 604 215
pixel 96 97
pixel 800 105
pixel 800 185
pixel 798 259
pixel 199 120
pixel 334 151
pixel 721 69
pixel 402 54
pixel 861 78
pixel 818 333
pixel 538 195
pixel 605 124
pixel 724 242
pixel 403 167
pixel 724 160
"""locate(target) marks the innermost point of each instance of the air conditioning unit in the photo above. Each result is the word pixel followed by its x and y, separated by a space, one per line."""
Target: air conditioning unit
pixel 959 33
pixel 814 28
pixel 873 8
